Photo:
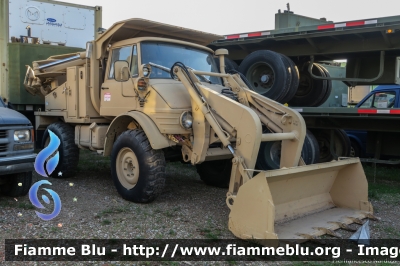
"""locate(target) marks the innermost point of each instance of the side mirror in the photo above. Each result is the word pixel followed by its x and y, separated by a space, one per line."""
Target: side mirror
pixel 121 71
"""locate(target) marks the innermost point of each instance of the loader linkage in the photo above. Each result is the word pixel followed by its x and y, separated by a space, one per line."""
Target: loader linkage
pixel 296 202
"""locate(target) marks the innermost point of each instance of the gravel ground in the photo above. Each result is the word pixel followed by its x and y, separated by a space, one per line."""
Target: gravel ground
pixel 92 208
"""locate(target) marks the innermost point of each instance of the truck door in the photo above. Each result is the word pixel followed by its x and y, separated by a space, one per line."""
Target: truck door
pixel 116 96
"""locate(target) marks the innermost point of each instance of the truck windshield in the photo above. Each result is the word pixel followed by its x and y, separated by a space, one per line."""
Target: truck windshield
pixel 166 54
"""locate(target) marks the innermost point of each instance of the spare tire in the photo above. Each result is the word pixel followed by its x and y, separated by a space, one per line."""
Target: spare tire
pixel 311 91
pixel 269 155
pixel 329 86
pixel 268 74
pixel 294 83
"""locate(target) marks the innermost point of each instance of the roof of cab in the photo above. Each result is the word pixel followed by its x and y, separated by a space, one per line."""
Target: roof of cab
pixel 137 27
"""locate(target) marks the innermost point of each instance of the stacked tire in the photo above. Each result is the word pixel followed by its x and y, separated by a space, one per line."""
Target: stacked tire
pixel 312 92
pixel 271 74
pixel 276 76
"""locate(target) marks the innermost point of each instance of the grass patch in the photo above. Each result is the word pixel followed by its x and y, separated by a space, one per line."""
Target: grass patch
pixel 210 231
pixel 386 184
pixel 106 222
pixel 92 161
pixel 55 229
pixel 25 206
pixel 113 211
pixel 7 203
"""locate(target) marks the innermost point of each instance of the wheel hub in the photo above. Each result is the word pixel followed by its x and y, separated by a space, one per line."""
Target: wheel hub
pixel 127 168
pixel 262 77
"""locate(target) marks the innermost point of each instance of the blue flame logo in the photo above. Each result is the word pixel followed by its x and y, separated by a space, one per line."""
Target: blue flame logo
pixel 45 164
pixel 35 201
pixel 51 163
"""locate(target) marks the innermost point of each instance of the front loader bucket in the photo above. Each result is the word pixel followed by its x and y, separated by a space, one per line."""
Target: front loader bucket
pixel 301 202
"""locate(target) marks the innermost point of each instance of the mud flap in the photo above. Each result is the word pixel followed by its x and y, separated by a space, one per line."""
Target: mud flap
pixel 301 202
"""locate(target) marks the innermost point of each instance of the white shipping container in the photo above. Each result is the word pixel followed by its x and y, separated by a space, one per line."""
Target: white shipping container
pixel 52 22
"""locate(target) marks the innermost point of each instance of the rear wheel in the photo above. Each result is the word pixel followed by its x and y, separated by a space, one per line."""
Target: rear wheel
pixel 215 173
pixel 355 150
pixel 17 184
pixel 138 171
pixel 268 74
pixel 68 151
pixel 269 155
pixel 341 144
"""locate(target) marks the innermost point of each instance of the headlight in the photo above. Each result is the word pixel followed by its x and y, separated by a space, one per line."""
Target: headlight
pixel 186 120
pixel 22 135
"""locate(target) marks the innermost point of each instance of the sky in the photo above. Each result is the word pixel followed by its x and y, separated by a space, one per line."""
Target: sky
pixel 225 17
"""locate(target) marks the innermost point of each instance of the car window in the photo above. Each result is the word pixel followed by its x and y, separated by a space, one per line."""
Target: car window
pixel 380 100
pixel 122 53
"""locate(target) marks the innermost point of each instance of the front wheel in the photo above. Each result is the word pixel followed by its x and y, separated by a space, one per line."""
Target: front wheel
pixel 17 184
pixel 137 170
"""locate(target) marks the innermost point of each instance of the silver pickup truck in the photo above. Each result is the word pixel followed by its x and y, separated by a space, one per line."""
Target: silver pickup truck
pixel 16 152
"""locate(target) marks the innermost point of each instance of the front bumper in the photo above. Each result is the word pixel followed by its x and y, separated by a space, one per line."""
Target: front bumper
pixel 17 164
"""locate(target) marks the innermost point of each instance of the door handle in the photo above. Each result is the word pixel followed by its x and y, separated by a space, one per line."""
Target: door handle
pixel 104 88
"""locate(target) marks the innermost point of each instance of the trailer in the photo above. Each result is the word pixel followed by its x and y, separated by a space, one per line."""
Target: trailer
pixel 307 48
pixel 37 29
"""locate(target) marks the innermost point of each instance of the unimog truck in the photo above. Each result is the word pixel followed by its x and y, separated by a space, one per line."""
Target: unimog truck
pixel 145 92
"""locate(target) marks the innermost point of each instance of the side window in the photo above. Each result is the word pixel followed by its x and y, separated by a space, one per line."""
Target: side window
pixel 123 53
pixel 380 100
pixel 384 100
pixel 367 102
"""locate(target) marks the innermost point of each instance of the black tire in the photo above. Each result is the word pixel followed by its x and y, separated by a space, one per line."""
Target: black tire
pixel 268 74
pixel 68 151
pixel 329 86
pixel 12 187
pixel 215 173
pixel 148 171
pixel 229 64
pixel 311 91
pixel 269 153
pixel 355 150
pixel 294 83
pixel 341 144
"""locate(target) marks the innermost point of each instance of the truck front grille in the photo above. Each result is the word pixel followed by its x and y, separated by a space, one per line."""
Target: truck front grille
pixel 3 147
pixel 3 134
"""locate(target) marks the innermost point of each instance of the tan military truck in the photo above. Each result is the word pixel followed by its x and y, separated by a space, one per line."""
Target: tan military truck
pixel 146 91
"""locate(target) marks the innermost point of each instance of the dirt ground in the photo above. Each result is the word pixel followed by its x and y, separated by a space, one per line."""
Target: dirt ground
pixel 187 209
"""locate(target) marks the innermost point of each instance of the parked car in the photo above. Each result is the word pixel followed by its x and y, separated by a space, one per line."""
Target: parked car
pixel 384 96
pixel 16 152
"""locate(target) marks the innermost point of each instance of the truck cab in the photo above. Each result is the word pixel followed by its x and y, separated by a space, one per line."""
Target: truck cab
pixel 16 152
pixel 384 96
